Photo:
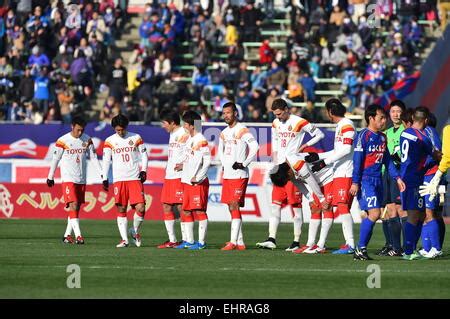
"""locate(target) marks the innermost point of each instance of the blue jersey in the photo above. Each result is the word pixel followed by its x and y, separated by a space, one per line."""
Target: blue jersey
pixel 431 164
pixel 370 154
pixel 415 146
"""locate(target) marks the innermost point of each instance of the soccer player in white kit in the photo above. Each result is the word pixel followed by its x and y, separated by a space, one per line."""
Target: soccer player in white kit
pixel 127 151
pixel 72 149
pixel 195 182
pixel 172 191
pixel 341 159
pixel 288 131
pixel 237 149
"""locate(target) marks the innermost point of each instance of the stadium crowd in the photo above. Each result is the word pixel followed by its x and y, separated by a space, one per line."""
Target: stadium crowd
pixel 55 56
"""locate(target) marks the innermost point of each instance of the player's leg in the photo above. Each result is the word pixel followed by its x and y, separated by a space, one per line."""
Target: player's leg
pixel 342 200
pixel 295 203
pixel 121 200
pixel 413 203
pixel 233 194
pixel 236 223
pixel 430 234
pixel 169 222
pixel 179 208
pixel 186 217
pixel 278 197
pixel 168 203
pixel 74 197
pixel 75 221
pixel 327 219
pixel 370 198
pixel 314 224
pixel 385 216
pixel 395 230
pixel 201 191
pixel 135 190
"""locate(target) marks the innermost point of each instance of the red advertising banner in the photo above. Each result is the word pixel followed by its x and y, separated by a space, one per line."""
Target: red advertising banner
pixel 39 201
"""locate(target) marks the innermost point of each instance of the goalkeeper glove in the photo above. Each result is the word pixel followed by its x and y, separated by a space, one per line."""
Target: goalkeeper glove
pixel 237 165
pixel 105 185
pixel 431 188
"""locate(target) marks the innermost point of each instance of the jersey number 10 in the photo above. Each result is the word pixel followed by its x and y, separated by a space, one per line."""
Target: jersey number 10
pixel 125 157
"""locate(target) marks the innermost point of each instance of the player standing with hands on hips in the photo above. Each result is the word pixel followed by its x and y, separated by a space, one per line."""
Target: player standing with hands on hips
pixel 127 151
pixel 72 150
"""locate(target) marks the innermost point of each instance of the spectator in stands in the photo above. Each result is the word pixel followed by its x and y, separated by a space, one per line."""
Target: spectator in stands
pixel 42 90
pixel 367 98
pixel 242 77
pixel 311 113
pixel 296 92
pixel 200 79
pixel 444 9
pixel 231 35
pixel 162 66
pixel 258 78
pixel 272 96
pixel 144 31
pixel 374 74
pixel 96 26
pixel 201 54
pixel 26 86
pixel 118 80
pixel 65 100
pixel 337 16
pixel 15 113
pixel 106 113
pixel 358 7
pixel 251 19
pixel 352 85
pixel 309 85
pixel 276 77
pixel 266 53
pixel 38 59
pixel 257 101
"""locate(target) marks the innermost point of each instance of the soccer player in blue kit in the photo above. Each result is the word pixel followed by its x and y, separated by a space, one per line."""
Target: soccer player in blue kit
pixel 415 147
pixel 370 154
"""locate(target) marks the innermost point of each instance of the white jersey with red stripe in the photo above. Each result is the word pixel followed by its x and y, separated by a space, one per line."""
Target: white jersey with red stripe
pixel 237 144
pixel 128 154
pixel 72 153
pixel 177 143
pixel 341 157
pixel 290 134
pixel 197 159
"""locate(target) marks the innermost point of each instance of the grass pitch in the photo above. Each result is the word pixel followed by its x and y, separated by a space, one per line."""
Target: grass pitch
pixel 33 264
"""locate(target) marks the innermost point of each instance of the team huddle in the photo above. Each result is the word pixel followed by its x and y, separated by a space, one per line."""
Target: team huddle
pixel 380 170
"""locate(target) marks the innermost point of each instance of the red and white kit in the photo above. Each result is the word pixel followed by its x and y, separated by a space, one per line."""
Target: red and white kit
pixel 129 157
pixel 195 165
pixel 172 192
pixel 236 144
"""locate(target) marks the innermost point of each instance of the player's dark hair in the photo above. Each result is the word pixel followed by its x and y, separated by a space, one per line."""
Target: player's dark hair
pixel 398 103
pixel 190 117
pixel 421 113
pixel 432 120
pixel 279 104
pixel 170 117
pixel 77 120
pixel 119 120
pixel 371 111
pixel 407 116
pixel 335 107
pixel 280 178
pixel 230 104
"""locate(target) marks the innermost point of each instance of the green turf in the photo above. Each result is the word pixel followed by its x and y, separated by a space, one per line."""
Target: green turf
pixel 33 264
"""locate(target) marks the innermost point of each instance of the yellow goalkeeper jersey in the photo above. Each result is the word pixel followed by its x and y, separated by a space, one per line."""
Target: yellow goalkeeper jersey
pixel 444 165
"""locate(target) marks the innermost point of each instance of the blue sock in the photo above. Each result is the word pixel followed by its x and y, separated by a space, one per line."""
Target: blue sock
pixel 441 224
pixel 410 237
pixel 434 234
pixel 386 232
pixel 365 232
pixel 418 232
pixel 426 240
pixel 395 230
pixel 403 221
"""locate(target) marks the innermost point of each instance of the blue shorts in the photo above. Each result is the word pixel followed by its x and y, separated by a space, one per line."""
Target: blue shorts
pixel 391 193
pixel 434 204
pixel 411 199
pixel 370 195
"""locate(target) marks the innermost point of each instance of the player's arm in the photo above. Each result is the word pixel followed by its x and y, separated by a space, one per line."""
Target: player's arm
pixel 220 149
pixel 56 157
pixel 204 155
pixel 344 149
pixel 316 135
pixel 144 160
pixel 93 157
pixel 358 162
pixel 107 158
pixel 253 148
pixel 275 143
